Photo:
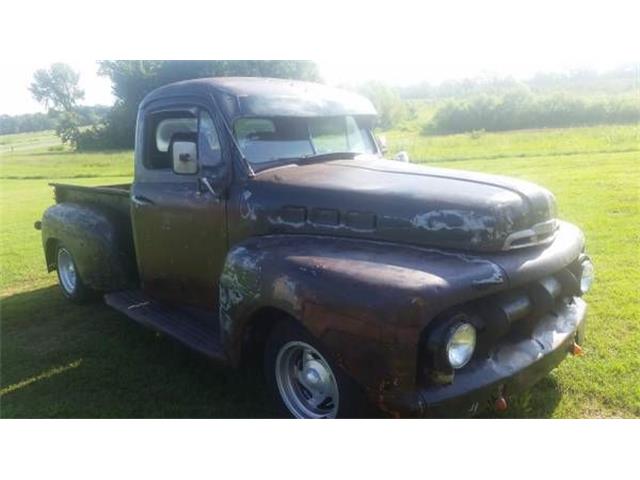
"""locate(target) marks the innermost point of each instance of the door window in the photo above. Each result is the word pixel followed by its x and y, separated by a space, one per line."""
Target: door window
pixel 163 126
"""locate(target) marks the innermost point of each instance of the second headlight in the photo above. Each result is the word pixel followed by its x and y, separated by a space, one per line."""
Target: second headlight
pixel 461 344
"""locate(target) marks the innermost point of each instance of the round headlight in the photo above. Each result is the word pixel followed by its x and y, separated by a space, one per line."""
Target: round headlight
pixel 461 344
pixel 586 276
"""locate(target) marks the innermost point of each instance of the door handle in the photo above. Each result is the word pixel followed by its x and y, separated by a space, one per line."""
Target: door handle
pixel 140 201
pixel 208 187
pixel 205 181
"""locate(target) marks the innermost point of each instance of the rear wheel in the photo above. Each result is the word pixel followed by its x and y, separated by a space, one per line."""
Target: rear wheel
pixel 71 284
pixel 304 381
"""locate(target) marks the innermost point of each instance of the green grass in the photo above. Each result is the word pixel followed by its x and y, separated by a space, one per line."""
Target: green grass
pixel 516 144
pixel 22 142
pixel 60 360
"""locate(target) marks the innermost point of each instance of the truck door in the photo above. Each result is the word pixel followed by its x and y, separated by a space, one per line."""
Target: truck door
pixel 179 224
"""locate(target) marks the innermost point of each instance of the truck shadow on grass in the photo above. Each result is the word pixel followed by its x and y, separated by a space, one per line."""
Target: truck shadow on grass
pixel 69 361
pixel 64 360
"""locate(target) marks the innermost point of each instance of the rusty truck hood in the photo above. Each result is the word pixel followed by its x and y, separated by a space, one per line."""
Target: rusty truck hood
pixel 378 199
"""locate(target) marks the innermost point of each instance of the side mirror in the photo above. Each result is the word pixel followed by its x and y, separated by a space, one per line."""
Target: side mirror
pixel 401 157
pixel 184 153
pixel 382 143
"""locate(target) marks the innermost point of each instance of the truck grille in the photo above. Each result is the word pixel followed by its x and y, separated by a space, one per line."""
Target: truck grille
pixel 511 314
pixel 515 312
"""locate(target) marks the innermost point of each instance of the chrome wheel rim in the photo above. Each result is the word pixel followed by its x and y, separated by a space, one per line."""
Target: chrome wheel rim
pixel 67 271
pixel 306 382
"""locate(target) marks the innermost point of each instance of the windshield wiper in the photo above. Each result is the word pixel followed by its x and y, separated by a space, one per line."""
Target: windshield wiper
pixel 302 159
pixel 312 157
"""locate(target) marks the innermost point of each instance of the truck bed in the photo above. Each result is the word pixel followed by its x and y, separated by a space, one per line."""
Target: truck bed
pixel 115 197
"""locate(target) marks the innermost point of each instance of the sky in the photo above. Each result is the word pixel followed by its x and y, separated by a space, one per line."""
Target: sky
pixel 15 97
pixel 400 44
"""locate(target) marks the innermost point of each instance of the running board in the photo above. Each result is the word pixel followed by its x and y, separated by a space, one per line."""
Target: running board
pixel 197 329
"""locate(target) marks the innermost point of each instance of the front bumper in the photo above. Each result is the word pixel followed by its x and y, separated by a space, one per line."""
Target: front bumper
pixel 511 367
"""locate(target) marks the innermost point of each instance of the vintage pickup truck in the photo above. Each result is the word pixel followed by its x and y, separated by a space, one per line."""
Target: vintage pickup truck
pixel 264 225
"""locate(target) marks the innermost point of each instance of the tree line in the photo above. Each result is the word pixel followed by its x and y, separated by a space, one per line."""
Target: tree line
pixel 623 79
pixel 37 122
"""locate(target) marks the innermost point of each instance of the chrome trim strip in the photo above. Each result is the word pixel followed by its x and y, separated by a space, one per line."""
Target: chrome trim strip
pixel 543 229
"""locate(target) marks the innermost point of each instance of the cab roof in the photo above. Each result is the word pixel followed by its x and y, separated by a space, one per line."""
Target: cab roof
pixel 259 96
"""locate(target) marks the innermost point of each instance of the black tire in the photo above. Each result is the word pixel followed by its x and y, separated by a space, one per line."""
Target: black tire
pixel 351 404
pixel 77 291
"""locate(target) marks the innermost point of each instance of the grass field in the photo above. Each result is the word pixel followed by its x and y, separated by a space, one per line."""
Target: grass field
pixel 60 360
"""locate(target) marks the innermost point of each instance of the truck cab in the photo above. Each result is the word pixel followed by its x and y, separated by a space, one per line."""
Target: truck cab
pixel 263 222
pixel 195 161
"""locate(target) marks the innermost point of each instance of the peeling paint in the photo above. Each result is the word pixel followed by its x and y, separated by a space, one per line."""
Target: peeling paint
pixel 239 282
pixel 468 221
pixel 280 221
pixel 284 288
pixel 311 271
pixel 247 209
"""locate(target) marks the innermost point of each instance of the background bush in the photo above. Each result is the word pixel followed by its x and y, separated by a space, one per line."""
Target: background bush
pixel 390 107
pixel 522 109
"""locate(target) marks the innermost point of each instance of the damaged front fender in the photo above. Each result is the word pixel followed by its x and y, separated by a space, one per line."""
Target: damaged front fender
pixel 366 301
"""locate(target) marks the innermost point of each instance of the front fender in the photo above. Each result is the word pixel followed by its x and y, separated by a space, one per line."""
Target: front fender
pixel 365 301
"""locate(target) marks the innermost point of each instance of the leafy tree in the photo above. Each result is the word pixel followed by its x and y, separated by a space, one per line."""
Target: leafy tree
pixel 391 108
pixel 57 89
pixel 67 127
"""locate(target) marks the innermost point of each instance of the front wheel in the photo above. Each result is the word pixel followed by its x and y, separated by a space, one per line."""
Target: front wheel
pixel 71 284
pixel 303 380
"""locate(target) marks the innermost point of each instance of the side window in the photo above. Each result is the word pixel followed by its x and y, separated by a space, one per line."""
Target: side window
pixel 161 127
pixel 209 149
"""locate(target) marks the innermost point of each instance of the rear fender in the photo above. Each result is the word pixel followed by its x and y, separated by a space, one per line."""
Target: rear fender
pixel 99 241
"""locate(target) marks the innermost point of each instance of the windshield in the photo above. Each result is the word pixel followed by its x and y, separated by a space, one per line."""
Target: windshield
pixel 269 139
